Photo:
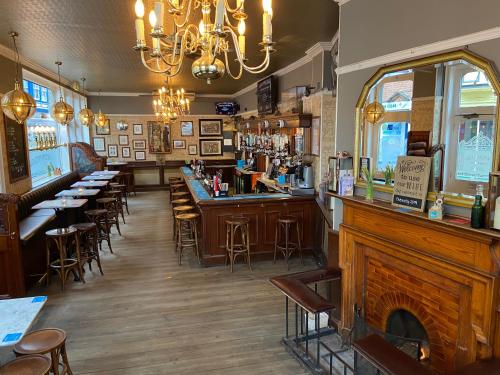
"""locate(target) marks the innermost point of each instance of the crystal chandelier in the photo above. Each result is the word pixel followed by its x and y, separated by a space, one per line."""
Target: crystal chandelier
pixel 169 105
pixel 101 119
pixel 85 115
pixel 212 38
pixel 61 112
pixel 17 104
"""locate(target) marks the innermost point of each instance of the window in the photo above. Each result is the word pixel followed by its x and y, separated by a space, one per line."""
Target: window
pixel 476 91
pixel 392 142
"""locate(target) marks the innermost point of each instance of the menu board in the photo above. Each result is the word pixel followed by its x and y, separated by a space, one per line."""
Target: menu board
pixel 411 182
pixel 16 149
pixel 267 94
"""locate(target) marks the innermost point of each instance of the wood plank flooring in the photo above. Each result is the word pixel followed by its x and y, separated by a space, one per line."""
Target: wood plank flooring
pixel 147 315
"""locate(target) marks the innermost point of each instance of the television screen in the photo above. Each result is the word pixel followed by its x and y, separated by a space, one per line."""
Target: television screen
pixel 227 108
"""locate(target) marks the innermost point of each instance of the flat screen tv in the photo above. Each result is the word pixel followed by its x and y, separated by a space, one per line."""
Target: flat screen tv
pixel 227 108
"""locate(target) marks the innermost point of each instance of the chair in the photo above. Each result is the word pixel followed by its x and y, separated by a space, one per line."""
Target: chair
pixel 284 227
pixel 88 237
pixel 233 248
pixel 35 364
pixel 117 194
pixel 187 234
pixel 111 205
pixel 100 218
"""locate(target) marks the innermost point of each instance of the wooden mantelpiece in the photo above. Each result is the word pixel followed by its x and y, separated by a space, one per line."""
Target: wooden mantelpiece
pixel 445 274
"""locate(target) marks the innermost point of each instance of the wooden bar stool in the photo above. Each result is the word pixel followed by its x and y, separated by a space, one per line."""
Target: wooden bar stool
pixel 123 189
pixel 111 205
pixel 100 218
pixel 117 194
pixel 63 238
pixel 47 341
pixel 129 181
pixel 180 195
pixel 177 210
pixel 284 227
pixel 89 250
pixel 176 187
pixel 233 248
pixel 35 364
pixel 187 233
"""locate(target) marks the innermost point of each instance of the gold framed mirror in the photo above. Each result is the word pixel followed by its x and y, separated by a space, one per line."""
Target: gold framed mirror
pixel 444 106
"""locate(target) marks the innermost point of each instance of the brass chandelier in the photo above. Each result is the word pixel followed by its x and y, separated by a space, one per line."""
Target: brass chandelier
pixel 213 38
pixel 169 105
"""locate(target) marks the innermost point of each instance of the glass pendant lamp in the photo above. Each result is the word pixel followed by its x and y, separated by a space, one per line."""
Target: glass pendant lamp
pixel 61 112
pixel 101 119
pixel 17 104
pixel 86 116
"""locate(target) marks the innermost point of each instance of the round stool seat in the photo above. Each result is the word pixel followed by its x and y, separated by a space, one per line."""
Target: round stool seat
pixel 113 192
pixel 84 227
pixel 60 232
pixel 183 209
pixel 238 221
pixel 287 219
pixel 180 201
pixel 179 185
pixel 105 200
pixel 41 342
pixel 188 216
pixel 97 212
pixel 35 364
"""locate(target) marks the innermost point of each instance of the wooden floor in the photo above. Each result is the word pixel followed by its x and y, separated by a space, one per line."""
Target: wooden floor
pixel 147 315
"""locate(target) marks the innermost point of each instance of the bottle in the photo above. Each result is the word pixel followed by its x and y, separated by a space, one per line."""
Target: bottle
pixel 477 211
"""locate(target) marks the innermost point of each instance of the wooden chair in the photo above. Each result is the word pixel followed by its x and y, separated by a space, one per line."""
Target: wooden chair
pixel 118 195
pixel 100 218
pixel 112 206
pixel 89 249
pixel 284 228
pixel 35 364
pixel 233 248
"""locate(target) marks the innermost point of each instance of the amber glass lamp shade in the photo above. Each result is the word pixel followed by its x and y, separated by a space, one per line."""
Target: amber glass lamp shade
pixel 374 112
pixel 101 119
pixel 62 113
pixel 18 105
pixel 86 117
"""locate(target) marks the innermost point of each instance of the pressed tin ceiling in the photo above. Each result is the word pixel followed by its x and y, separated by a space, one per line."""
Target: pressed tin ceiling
pixel 94 39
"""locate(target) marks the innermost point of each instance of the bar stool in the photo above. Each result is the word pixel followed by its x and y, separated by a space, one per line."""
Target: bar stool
pixel 187 233
pixel 177 210
pixel 284 226
pixel 89 251
pixel 129 181
pixel 35 364
pixel 111 206
pixel 123 189
pixel 241 248
pixel 174 180
pixel 179 195
pixel 100 219
pixel 117 194
pixel 176 187
pixel 63 239
pixel 45 341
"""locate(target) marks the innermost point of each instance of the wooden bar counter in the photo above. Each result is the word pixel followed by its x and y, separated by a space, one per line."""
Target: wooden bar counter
pixel 263 210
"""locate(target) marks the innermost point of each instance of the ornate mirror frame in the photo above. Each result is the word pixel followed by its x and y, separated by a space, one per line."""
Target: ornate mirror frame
pixel 465 55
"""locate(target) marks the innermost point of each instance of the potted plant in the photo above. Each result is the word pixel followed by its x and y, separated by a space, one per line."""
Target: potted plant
pixel 388 174
pixel 368 176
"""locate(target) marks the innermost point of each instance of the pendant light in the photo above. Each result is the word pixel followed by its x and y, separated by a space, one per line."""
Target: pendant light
pixel 17 104
pixel 86 116
pixel 101 119
pixel 61 112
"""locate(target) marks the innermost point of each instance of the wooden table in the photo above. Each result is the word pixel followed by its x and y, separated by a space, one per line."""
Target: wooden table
pixel 78 193
pixel 90 184
pixel 100 177
pixel 100 173
pixel 60 204
pixel 17 316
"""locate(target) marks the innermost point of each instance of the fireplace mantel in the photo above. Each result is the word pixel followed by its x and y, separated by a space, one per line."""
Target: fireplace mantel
pixel 444 273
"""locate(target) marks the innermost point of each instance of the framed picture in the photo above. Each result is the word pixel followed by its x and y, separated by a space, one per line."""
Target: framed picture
pixel 159 138
pixel 332 174
pixel 137 129
pixel 187 128
pixel 16 150
pixel 139 144
pixel 315 136
pixel 99 144
pixel 103 130
pixel 125 152
pixel 113 151
pixel 179 144
pixel 193 149
pixel 123 140
pixel 140 155
pixel 211 147
pixel 210 128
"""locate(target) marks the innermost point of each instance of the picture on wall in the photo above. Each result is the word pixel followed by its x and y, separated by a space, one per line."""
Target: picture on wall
pixel 179 144
pixel 187 128
pixel 123 140
pixel 103 130
pixel 159 138
pixel 193 149
pixel 137 129
pixel 210 128
pixel 126 152
pixel 210 147
pixel 140 155
pixel 139 144
pixel 113 151
pixel 99 144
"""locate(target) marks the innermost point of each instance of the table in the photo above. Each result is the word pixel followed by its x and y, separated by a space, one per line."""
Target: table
pixel 17 316
pixel 78 193
pixel 60 204
pixel 100 173
pixel 90 184
pixel 101 177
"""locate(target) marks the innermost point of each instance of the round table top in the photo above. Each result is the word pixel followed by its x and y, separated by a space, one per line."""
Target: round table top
pixel 60 232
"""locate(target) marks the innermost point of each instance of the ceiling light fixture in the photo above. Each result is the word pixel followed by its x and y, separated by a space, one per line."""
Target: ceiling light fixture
pixel 17 104
pixel 169 105
pixel 101 119
pixel 61 112
pixel 86 116
pixel 212 38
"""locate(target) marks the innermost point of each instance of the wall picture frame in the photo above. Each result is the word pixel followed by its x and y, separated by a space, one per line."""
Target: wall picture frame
pixel 123 140
pixel 113 151
pixel 187 129
pixel 210 127
pixel 137 129
pixel 159 138
pixel 99 144
pixel 139 144
pixel 126 152
pixel 211 147
pixel 193 149
pixel 140 155
pixel 103 130
pixel 179 144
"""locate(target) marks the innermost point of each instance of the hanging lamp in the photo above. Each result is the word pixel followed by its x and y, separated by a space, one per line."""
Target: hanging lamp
pixel 86 116
pixel 101 119
pixel 17 104
pixel 61 112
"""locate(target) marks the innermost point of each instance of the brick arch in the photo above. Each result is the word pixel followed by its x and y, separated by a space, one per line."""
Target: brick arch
pixel 392 301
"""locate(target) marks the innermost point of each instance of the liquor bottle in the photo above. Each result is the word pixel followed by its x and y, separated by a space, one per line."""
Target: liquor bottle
pixel 477 211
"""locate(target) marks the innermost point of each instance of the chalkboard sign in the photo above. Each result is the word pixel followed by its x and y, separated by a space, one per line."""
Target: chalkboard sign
pixel 267 95
pixel 411 182
pixel 16 149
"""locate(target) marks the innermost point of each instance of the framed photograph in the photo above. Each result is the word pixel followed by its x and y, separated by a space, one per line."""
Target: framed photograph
pixel 187 128
pixel 99 144
pixel 103 130
pixel 211 147
pixel 193 149
pixel 210 128
pixel 139 144
pixel 179 144
pixel 315 136
pixel 125 152
pixel 113 151
pixel 159 138
pixel 140 155
pixel 137 129
pixel 123 140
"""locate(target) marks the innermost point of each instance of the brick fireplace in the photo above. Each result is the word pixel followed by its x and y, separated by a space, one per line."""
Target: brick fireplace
pixel 443 275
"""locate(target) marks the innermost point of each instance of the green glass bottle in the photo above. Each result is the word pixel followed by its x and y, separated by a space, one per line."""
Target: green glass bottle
pixel 477 212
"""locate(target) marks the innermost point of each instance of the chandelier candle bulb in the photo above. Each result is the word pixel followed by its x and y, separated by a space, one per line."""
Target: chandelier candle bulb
pixel 156 43
pixel 152 19
pixel 219 14
pixel 139 30
pixel 160 14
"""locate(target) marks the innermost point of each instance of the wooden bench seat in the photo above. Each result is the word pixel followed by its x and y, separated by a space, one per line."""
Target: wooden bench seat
pixel 31 225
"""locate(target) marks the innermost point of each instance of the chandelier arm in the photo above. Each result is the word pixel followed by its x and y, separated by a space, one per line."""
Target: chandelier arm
pixel 148 67
pixel 229 69
pixel 233 10
pixel 188 14
pixel 228 21
pixel 252 69
pixel 174 52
